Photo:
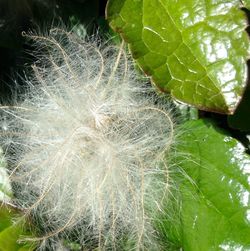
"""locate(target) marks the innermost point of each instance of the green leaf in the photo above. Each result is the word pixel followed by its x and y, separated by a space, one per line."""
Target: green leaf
pixel 5 217
pixel 12 229
pixel 196 50
pixel 214 191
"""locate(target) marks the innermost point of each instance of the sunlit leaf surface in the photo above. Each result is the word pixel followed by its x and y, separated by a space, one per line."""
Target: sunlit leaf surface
pixel 214 192
pixel 196 50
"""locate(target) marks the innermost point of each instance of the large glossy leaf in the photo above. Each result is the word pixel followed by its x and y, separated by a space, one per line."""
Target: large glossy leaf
pixel 214 192
pixel 194 49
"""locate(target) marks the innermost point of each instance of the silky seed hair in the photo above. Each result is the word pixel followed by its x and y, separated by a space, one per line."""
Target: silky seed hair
pixel 87 146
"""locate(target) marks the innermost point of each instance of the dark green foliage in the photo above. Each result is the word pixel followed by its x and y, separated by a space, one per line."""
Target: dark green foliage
pixel 18 16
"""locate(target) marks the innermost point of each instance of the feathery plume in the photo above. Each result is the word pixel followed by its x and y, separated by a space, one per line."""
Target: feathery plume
pixel 88 145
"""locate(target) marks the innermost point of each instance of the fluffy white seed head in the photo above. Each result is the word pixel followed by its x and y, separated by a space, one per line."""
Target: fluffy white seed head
pixel 88 145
